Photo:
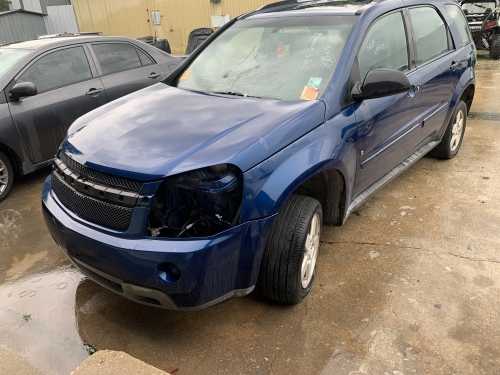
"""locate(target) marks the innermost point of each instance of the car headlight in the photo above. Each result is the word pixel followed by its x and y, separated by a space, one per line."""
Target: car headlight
pixel 198 203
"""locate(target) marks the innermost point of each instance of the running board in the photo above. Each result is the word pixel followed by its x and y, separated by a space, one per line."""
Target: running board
pixel 403 166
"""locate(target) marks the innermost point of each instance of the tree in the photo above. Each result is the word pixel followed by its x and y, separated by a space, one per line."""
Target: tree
pixel 4 5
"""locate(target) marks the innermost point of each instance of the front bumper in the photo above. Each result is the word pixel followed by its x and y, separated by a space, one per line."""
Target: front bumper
pixel 211 269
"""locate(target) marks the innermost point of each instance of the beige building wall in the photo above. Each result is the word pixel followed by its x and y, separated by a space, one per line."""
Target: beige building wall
pixel 178 17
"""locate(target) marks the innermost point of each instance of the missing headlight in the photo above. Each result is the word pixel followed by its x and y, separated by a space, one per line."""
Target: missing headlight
pixel 198 203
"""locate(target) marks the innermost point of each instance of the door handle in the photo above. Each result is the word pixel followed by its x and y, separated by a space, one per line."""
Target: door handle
pixel 414 89
pixel 153 75
pixel 94 92
pixel 454 65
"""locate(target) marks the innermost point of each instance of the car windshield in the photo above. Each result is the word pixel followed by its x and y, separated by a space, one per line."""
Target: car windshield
pixel 9 57
pixel 479 6
pixel 285 58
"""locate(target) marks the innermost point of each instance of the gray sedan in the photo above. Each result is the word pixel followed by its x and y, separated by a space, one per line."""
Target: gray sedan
pixel 47 84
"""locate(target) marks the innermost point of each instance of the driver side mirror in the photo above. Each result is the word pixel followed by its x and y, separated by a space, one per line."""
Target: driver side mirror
pixel 23 89
pixel 379 83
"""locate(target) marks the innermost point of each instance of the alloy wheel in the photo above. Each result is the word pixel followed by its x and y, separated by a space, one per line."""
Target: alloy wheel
pixel 4 177
pixel 310 251
pixel 457 131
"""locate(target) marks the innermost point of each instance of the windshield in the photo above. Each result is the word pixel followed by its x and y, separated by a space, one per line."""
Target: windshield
pixel 479 7
pixel 9 58
pixel 290 58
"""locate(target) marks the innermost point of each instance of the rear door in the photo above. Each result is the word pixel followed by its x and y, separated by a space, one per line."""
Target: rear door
pixel 389 127
pixel 438 67
pixel 125 68
pixel 67 89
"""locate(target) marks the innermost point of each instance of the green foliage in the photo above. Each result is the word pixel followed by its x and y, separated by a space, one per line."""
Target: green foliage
pixel 4 5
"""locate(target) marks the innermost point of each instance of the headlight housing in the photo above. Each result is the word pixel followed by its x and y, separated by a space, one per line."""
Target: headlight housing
pixel 198 203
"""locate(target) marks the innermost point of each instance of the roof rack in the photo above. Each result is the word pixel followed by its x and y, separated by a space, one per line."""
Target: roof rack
pixel 68 35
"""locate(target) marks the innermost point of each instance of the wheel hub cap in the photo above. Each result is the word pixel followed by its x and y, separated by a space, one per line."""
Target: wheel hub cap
pixel 4 177
pixel 457 130
pixel 310 251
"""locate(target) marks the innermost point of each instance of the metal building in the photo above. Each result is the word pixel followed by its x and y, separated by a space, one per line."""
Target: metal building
pixel 170 19
pixel 28 19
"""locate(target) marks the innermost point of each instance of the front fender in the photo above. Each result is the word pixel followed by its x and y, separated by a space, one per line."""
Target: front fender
pixel 269 184
pixel 10 140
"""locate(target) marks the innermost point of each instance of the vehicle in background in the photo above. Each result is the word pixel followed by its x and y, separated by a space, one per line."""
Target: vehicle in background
pixel 218 180
pixel 483 17
pixel 47 84
pixel 161 44
pixel 197 37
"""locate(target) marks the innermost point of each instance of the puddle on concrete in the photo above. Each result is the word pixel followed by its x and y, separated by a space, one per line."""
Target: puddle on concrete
pixel 37 320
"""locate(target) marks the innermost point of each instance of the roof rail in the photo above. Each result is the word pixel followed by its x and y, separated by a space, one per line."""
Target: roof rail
pixel 67 35
pixel 285 3
pixel 294 4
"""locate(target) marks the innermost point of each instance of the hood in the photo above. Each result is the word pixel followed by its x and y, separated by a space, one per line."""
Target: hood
pixel 162 130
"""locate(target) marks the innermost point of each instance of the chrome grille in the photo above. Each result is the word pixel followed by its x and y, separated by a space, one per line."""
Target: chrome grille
pixel 93 210
pixel 99 177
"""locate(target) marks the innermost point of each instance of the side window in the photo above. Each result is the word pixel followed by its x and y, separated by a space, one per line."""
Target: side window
pixel 430 33
pixel 145 59
pixel 57 69
pixel 385 45
pixel 116 57
pixel 459 22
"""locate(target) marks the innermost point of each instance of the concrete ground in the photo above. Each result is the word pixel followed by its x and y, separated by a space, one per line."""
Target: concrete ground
pixel 410 285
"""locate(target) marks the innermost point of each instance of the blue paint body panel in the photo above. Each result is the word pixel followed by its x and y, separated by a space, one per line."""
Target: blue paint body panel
pixel 163 131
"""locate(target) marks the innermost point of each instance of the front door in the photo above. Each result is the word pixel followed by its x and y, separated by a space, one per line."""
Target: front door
pixel 66 91
pixel 388 127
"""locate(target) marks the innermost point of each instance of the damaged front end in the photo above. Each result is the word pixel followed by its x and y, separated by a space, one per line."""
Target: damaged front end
pixel 198 203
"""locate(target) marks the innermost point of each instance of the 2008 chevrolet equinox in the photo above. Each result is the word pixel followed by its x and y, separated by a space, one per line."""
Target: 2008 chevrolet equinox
pixel 217 181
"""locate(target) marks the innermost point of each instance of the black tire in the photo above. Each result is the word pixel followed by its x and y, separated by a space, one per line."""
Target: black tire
pixel 280 278
pixel 6 176
pixel 446 149
pixel 495 46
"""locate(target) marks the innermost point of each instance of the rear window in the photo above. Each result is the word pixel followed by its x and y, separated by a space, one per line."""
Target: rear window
pixel 430 33
pixel 459 23
pixel 116 57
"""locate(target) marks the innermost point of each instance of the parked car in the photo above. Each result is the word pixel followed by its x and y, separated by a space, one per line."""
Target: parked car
pixel 218 181
pixel 47 84
pixel 483 18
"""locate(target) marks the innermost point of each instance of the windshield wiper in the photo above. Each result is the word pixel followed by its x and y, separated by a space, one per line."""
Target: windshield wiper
pixel 234 93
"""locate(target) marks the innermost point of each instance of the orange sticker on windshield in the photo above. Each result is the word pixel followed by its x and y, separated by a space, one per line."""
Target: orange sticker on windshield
pixel 309 93
pixel 186 75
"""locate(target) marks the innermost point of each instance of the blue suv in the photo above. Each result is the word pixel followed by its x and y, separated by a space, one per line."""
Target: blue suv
pixel 218 180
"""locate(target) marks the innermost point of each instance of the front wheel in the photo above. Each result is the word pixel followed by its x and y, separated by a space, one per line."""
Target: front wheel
pixel 454 135
pixel 6 176
pixel 289 262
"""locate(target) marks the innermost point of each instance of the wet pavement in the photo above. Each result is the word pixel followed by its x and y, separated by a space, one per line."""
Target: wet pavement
pixel 410 285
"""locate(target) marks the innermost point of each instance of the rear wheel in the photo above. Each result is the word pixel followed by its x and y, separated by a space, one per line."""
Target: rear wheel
pixel 6 176
pixel 454 135
pixel 289 262
pixel 495 46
